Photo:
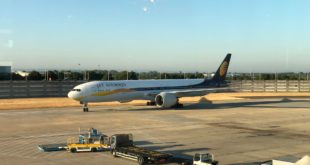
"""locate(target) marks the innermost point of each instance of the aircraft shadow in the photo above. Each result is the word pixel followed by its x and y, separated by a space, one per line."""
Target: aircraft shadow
pixel 208 105
pixel 257 104
pixel 150 143
pixel 226 105
pixel 179 156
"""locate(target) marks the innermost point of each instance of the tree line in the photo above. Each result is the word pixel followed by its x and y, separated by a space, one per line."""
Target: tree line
pixel 55 75
pixel 98 75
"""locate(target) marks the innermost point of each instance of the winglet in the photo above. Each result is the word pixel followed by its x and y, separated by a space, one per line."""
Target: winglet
pixel 221 72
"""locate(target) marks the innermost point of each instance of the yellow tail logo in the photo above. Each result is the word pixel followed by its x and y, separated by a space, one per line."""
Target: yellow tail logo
pixel 224 68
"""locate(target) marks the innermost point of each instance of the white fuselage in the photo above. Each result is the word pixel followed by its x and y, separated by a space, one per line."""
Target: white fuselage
pixel 127 90
pixel 163 93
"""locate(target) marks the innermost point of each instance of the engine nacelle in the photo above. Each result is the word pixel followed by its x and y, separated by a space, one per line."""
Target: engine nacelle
pixel 166 100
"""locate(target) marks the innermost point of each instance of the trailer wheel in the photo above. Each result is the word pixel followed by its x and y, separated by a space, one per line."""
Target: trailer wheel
pixel 180 105
pixel 73 150
pixel 93 149
pixel 140 160
pixel 114 153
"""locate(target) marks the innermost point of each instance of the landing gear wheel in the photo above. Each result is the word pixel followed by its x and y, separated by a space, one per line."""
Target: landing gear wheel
pixel 150 103
pixel 94 150
pixel 73 150
pixel 114 153
pixel 140 160
pixel 179 105
pixel 85 108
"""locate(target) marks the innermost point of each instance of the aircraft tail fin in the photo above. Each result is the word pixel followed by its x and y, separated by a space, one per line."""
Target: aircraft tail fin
pixel 221 72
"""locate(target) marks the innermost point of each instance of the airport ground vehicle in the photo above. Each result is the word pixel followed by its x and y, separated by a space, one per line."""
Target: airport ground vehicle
pixel 122 146
pixel 204 159
pixel 91 141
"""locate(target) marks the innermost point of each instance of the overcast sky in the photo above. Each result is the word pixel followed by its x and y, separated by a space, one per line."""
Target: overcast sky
pixel 164 35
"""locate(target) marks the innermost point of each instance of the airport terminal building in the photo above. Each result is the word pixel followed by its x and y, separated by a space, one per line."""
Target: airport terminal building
pixel 5 69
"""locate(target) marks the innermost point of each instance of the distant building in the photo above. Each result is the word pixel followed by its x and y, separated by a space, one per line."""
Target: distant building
pixel 208 75
pixel 5 69
pixel 22 73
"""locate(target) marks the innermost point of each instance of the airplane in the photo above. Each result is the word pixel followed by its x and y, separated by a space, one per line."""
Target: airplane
pixel 162 93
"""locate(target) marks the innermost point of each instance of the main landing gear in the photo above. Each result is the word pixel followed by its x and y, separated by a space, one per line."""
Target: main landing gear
pixel 178 105
pixel 150 103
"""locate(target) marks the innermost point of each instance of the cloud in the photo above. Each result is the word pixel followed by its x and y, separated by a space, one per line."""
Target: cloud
pixel 10 44
pixel 6 31
pixel 145 9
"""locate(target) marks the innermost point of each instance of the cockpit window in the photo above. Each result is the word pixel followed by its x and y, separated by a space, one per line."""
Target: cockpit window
pixel 78 90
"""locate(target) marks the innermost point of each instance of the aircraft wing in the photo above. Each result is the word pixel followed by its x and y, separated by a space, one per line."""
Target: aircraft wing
pixel 194 92
pixel 199 92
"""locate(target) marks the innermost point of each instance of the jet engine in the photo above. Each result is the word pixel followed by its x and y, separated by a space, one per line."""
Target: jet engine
pixel 166 100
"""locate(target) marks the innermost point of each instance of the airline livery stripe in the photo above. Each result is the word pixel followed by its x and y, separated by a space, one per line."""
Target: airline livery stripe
pixel 106 93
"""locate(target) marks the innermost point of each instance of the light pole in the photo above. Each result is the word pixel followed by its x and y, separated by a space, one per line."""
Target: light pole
pixel 275 76
pixel 11 76
pixel 47 77
pixel 80 71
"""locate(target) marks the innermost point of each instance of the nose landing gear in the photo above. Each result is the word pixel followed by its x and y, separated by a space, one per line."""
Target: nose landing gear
pixel 85 108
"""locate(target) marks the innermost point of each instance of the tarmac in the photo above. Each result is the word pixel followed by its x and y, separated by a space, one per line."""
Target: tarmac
pixel 253 130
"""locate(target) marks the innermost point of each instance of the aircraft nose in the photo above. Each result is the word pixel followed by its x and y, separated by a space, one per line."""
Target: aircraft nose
pixel 72 95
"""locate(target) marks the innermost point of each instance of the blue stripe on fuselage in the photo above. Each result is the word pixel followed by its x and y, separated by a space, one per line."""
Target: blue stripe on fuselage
pixel 205 84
